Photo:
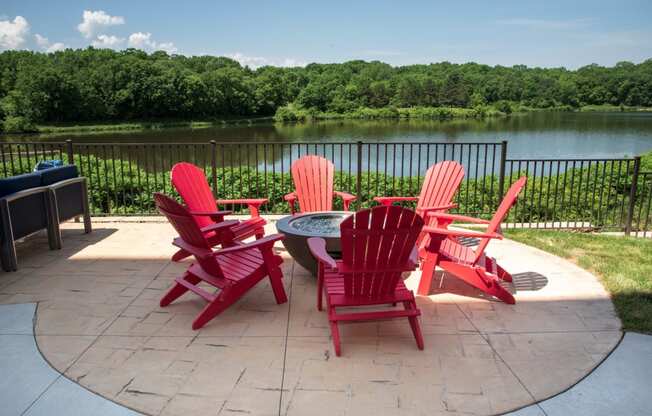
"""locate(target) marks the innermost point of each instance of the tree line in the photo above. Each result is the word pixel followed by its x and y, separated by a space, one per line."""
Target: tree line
pixel 104 85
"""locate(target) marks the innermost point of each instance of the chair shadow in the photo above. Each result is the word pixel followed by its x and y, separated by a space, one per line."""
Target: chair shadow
pixel 529 281
pixel 468 241
pixel 521 282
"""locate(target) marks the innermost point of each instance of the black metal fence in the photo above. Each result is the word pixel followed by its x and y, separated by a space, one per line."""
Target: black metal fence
pixel 606 194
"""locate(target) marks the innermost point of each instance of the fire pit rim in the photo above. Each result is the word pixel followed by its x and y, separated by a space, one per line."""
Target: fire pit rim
pixel 284 225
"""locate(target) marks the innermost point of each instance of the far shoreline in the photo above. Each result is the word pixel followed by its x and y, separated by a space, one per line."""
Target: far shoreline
pixel 381 114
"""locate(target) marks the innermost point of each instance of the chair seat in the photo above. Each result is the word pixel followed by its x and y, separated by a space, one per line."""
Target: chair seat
pixel 334 285
pixel 457 252
pixel 460 254
pixel 239 265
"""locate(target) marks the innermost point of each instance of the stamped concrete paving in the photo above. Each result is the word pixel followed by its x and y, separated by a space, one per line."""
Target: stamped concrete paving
pixel 99 323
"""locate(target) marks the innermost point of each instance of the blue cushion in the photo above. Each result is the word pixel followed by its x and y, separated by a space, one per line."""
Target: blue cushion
pixel 17 183
pixel 53 175
pixel 47 164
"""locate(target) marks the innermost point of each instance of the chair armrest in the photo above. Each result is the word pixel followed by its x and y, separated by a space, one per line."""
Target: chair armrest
pixel 261 244
pixel 25 192
pixel 346 198
pixel 199 252
pixel 252 203
pixel 291 198
pixel 210 213
pixel 219 226
pixel 460 233
pixel 428 210
pixel 389 200
pixel 317 247
pixel 65 182
pixel 457 217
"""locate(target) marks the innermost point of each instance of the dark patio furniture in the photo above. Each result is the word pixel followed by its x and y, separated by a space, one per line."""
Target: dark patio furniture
pixel 39 201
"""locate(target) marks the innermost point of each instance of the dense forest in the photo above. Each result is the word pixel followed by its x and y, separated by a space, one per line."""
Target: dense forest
pixel 107 86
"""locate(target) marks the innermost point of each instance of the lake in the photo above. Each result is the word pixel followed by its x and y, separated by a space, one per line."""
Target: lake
pixel 533 135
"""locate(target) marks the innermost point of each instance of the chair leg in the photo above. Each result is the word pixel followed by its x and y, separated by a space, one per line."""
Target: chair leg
pixel 335 332
pixel 414 324
pixel 214 308
pixel 491 286
pixel 320 285
pixel 427 273
pixel 276 280
pixel 86 208
pixel 180 255
pixel 178 289
pixel 502 273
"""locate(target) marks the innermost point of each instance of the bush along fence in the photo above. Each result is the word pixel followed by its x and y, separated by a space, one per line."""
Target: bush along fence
pixel 587 194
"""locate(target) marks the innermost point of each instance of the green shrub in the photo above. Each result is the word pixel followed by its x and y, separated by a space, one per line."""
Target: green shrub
pixel 18 124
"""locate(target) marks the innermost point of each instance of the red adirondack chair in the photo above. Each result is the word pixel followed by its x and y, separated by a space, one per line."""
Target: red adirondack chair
pixel 471 265
pixel 378 245
pixel 191 184
pixel 233 270
pixel 440 184
pixel 313 183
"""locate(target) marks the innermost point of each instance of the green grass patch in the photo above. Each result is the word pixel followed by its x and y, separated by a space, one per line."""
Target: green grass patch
pixel 612 108
pixel 95 127
pixel 623 264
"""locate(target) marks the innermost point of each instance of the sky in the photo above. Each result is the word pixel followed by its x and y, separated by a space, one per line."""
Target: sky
pixel 545 33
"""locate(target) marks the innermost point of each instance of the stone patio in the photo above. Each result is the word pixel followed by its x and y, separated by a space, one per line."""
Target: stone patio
pixel 99 323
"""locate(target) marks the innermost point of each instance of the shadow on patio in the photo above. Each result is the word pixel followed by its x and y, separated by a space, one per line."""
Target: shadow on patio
pixel 99 323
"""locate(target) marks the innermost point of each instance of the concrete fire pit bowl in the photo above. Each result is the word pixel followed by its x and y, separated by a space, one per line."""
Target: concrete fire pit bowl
pixel 299 228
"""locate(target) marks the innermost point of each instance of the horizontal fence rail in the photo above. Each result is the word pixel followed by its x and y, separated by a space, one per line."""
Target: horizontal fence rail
pixel 605 194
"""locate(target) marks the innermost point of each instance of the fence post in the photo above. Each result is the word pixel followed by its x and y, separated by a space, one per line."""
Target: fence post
pixel 632 195
pixel 358 185
pixel 71 161
pixel 214 166
pixel 501 177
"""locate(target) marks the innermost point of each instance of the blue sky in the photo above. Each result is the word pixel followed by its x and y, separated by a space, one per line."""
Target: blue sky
pixel 545 33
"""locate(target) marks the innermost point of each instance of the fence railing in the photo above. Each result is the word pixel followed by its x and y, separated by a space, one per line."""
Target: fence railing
pixel 607 194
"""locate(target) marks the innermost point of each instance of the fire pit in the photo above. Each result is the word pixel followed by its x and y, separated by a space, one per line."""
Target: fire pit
pixel 299 228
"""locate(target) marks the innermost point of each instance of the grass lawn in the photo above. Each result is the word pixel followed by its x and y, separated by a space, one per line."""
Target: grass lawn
pixel 624 265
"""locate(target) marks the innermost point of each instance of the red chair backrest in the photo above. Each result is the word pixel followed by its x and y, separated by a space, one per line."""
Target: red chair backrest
pixel 508 201
pixel 190 182
pixel 379 238
pixel 313 183
pixel 187 228
pixel 440 184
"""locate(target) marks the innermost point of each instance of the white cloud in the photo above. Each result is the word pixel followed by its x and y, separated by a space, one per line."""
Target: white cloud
pixel 141 40
pixel 12 34
pixel 106 41
pixel 144 41
pixel 258 61
pixel 547 24
pixel 167 47
pixel 45 44
pixel 94 21
pixel 291 62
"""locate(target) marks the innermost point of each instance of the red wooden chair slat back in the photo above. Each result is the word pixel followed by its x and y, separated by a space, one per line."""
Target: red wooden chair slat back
pixel 440 184
pixel 313 183
pixel 190 182
pixel 508 201
pixel 374 239
pixel 187 228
